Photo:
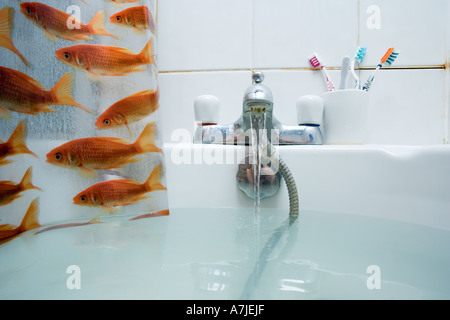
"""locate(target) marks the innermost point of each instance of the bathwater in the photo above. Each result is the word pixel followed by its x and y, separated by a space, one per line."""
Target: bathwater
pixel 210 254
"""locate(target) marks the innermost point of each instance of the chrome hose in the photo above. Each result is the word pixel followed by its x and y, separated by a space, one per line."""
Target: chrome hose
pixel 291 186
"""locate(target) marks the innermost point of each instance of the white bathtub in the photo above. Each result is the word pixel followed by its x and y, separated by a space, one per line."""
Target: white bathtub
pixel 374 224
pixel 407 183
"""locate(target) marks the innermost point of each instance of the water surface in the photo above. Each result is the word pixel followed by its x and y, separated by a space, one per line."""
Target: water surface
pixel 211 253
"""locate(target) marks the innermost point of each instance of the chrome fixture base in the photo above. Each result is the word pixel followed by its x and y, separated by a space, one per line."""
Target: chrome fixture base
pixel 258 99
pixel 257 102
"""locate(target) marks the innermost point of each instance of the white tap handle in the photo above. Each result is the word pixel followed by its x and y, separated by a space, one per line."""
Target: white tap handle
pixel 206 108
pixel 310 110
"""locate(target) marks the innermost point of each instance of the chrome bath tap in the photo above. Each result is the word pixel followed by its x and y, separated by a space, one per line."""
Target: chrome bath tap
pixel 257 99
pixel 257 115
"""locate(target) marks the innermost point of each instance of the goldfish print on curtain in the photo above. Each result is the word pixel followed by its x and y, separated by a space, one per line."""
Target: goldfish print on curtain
pixel 79 129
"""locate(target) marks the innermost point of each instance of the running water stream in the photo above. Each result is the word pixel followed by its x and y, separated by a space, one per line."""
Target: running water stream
pixel 259 143
pixel 259 139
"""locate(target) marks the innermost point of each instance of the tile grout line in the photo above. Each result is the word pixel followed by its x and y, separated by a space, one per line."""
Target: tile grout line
pixel 430 67
pixel 358 14
pixel 252 50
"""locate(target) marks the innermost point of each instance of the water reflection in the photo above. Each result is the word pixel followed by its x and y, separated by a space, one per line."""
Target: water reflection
pixel 219 280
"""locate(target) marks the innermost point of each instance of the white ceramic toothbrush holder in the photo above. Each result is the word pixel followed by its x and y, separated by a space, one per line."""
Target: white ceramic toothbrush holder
pixel 345 116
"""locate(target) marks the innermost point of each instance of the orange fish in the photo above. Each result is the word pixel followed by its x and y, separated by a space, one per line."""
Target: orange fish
pixel 89 154
pixel 113 193
pixel 128 110
pixel 105 60
pixel 29 222
pixel 151 215
pixel 69 225
pixel 6 21
pixel 15 144
pixel 21 93
pixel 137 17
pixel 10 191
pixel 56 23
pixel 119 2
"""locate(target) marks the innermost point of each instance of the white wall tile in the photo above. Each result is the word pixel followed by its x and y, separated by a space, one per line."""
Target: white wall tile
pixel 407 107
pixel 447 110
pixel 447 85
pixel 178 91
pixel 287 32
pixel 448 33
pixel 204 34
pixel 415 27
pixel 288 85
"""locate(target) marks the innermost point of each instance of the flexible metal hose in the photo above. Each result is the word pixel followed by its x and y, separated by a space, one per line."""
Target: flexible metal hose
pixel 291 186
pixel 274 158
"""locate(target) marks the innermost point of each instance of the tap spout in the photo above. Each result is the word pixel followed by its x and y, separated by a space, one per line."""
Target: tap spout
pixel 258 100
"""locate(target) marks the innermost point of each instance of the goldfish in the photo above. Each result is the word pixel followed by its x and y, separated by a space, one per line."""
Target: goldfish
pixel 106 60
pixel 120 2
pixel 69 225
pixel 21 93
pixel 128 110
pixel 151 215
pixel 15 144
pixel 137 17
pixel 56 23
pixel 6 25
pixel 10 191
pixel 90 154
pixel 29 222
pixel 121 192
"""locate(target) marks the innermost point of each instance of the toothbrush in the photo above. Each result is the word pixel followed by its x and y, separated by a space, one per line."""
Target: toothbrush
pixel 358 58
pixel 344 72
pixel 388 58
pixel 315 62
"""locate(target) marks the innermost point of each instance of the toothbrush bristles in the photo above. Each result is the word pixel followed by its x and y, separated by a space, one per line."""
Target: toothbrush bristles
pixel 314 61
pixel 360 53
pixel 386 55
pixel 391 58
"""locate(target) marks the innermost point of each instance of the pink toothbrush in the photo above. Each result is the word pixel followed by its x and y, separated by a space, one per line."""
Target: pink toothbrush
pixel 315 62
